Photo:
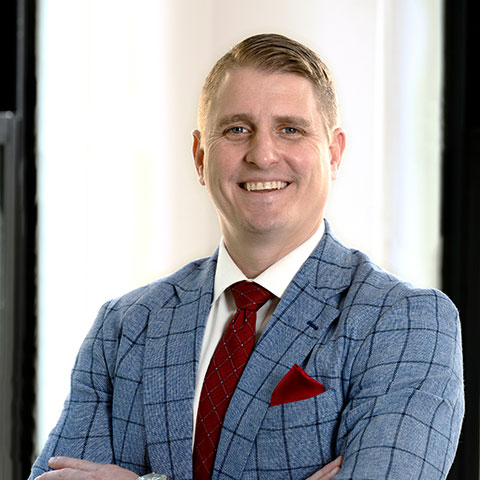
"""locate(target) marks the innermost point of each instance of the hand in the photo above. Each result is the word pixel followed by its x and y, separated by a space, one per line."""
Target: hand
pixel 66 468
pixel 328 471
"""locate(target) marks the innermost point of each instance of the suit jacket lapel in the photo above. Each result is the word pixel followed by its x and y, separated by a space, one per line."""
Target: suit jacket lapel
pixel 301 320
pixel 172 351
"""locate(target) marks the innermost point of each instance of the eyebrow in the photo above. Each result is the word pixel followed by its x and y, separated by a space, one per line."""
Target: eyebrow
pixel 239 117
pixel 293 120
pixel 281 119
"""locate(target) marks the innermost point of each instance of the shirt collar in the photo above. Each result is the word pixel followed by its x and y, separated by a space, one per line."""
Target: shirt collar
pixel 275 278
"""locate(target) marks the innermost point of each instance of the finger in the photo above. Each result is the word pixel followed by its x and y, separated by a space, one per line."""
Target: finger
pixel 324 475
pixel 331 474
pixel 328 471
pixel 75 463
pixel 64 474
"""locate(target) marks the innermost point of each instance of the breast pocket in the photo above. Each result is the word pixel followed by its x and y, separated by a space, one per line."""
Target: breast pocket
pixel 304 412
pixel 297 437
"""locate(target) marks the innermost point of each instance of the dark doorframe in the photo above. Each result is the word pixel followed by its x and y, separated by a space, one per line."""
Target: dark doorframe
pixel 18 216
pixel 461 207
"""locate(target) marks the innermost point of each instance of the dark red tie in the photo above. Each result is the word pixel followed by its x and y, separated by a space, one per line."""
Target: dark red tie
pixel 223 373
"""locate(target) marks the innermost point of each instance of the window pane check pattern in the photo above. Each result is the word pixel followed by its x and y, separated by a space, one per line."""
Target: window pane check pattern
pixel 224 372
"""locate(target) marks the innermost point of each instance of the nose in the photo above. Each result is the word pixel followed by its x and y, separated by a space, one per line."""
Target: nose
pixel 262 150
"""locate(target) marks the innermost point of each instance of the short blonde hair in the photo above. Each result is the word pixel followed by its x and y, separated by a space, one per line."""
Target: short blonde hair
pixel 273 53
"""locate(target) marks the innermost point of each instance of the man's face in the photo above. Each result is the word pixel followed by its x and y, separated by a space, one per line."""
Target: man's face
pixel 266 158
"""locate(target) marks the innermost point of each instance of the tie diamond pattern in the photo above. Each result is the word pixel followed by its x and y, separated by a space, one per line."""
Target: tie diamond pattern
pixel 223 373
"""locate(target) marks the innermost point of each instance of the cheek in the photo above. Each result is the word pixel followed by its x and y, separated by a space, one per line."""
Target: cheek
pixel 320 181
pixel 216 176
pixel 313 163
pixel 222 165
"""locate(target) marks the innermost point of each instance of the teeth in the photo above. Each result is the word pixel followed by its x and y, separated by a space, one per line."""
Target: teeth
pixel 275 185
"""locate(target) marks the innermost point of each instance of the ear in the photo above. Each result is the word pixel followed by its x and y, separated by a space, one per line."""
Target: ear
pixel 337 146
pixel 198 156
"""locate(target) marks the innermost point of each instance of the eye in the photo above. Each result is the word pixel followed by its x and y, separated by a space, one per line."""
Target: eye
pixel 290 130
pixel 237 130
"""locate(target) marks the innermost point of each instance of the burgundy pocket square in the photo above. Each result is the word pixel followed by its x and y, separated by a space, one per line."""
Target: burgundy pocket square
pixel 294 386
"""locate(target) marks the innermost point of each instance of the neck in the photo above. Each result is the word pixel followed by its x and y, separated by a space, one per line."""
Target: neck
pixel 254 253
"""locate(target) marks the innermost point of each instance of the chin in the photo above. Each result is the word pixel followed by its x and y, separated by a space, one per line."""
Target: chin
pixel 269 226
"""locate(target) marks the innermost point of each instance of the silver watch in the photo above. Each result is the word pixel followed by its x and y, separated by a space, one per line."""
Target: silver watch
pixel 154 476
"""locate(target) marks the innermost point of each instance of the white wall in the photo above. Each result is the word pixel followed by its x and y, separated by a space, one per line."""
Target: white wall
pixel 119 204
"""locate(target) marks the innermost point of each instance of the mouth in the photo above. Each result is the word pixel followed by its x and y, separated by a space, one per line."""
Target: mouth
pixel 262 186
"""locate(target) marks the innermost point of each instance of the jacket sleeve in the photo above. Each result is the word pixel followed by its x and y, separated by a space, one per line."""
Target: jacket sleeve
pixel 84 428
pixel 406 401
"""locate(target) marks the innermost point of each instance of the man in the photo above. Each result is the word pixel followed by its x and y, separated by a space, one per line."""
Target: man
pixel 341 360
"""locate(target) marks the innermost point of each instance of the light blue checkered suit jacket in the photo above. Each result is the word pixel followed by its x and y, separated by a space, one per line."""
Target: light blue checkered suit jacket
pixel 388 354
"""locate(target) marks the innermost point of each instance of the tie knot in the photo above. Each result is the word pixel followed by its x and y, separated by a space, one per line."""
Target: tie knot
pixel 249 295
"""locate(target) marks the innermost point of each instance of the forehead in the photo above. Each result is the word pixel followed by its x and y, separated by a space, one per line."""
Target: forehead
pixel 259 94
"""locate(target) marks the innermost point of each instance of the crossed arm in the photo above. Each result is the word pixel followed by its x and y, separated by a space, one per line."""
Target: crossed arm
pixel 66 468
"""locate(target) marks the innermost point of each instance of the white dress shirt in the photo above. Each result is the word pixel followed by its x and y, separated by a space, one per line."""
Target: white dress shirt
pixel 275 279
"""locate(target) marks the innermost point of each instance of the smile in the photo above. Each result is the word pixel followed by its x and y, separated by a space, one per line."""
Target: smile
pixel 257 186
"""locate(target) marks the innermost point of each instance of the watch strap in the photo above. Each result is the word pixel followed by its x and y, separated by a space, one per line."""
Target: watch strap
pixel 154 476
